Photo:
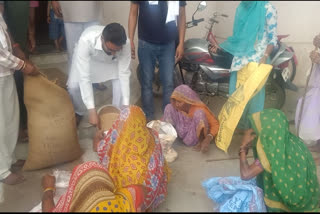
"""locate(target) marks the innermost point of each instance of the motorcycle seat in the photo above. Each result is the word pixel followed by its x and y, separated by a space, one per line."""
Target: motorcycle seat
pixel 282 36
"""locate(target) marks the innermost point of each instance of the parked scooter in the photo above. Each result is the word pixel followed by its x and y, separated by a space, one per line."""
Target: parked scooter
pixel 208 73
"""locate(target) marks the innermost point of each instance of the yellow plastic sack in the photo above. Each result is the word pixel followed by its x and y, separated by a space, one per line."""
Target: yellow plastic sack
pixel 250 80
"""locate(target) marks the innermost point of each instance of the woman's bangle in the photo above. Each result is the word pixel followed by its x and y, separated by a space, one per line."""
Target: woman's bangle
pixel 210 135
pixel 23 66
pixel 50 189
pixel 266 55
pixel 243 149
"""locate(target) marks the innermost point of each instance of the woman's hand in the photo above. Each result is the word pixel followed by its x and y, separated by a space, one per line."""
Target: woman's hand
pixel 48 181
pixel 316 41
pixel 315 57
pixel 248 137
pixel 263 60
pixel 48 19
pixel 97 138
pixel 214 48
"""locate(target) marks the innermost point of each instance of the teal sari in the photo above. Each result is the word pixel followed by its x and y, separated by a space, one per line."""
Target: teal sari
pixel 248 27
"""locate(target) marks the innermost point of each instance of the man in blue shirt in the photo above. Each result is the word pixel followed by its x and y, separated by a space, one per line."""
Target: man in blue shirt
pixel 160 23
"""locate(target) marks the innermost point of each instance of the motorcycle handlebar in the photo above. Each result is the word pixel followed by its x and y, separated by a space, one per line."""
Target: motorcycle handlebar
pixel 194 22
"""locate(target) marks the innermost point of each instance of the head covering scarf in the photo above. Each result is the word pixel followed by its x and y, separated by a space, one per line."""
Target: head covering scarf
pixel 289 179
pixel 184 93
pixel 132 154
pixel 248 27
pixel 91 189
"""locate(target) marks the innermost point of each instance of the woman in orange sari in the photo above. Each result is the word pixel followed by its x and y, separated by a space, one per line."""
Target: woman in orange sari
pixel 92 189
pixel 195 124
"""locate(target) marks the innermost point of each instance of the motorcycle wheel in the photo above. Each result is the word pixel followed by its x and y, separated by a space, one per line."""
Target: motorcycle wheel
pixel 156 83
pixel 275 95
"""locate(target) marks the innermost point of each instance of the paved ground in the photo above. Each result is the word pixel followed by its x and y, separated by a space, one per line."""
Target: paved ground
pixel 185 192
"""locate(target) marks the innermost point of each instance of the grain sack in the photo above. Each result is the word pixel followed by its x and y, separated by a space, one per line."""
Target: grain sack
pixel 57 76
pixel 108 114
pixel 51 124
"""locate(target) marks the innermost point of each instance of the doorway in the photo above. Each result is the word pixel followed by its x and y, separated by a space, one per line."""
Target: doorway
pixel 44 43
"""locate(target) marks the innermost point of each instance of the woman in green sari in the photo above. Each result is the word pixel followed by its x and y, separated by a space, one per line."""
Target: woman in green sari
pixel 283 165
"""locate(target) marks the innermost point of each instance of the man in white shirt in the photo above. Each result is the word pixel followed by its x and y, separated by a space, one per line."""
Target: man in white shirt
pixel 101 54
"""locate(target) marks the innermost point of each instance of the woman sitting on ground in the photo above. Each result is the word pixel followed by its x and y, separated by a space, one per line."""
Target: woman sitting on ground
pixel 92 189
pixel 195 124
pixel 131 154
pixel 283 165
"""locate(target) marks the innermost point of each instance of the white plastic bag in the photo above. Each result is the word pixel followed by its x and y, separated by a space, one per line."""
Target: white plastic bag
pixel 167 135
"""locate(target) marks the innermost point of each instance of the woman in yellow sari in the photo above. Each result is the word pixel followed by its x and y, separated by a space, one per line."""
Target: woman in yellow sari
pixel 132 154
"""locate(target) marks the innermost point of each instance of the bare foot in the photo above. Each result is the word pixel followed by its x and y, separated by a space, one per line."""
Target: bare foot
pixel 197 147
pixel 13 179
pixel 205 146
pixel 317 161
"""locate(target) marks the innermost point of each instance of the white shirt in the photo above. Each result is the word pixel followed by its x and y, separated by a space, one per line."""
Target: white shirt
pixel 90 64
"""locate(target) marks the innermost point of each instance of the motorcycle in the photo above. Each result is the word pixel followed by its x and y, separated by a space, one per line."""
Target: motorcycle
pixel 208 73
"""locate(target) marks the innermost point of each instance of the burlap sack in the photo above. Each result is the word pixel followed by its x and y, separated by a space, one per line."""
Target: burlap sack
pixel 52 127
pixel 57 76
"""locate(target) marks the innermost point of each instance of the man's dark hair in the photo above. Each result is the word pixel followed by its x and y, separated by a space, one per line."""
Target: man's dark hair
pixel 115 34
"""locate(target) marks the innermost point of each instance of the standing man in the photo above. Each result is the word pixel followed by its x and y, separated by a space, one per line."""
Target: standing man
pixel 102 54
pixel 9 105
pixel 77 16
pixel 16 15
pixel 160 24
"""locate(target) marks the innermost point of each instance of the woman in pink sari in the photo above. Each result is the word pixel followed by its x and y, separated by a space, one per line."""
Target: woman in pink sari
pixel 195 124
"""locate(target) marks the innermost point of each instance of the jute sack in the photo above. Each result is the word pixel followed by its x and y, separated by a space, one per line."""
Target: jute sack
pixel 52 127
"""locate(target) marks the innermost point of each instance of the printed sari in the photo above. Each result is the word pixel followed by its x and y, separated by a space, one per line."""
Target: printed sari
pixel 91 189
pixel 289 179
pixel 189 126
pixel 132 154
